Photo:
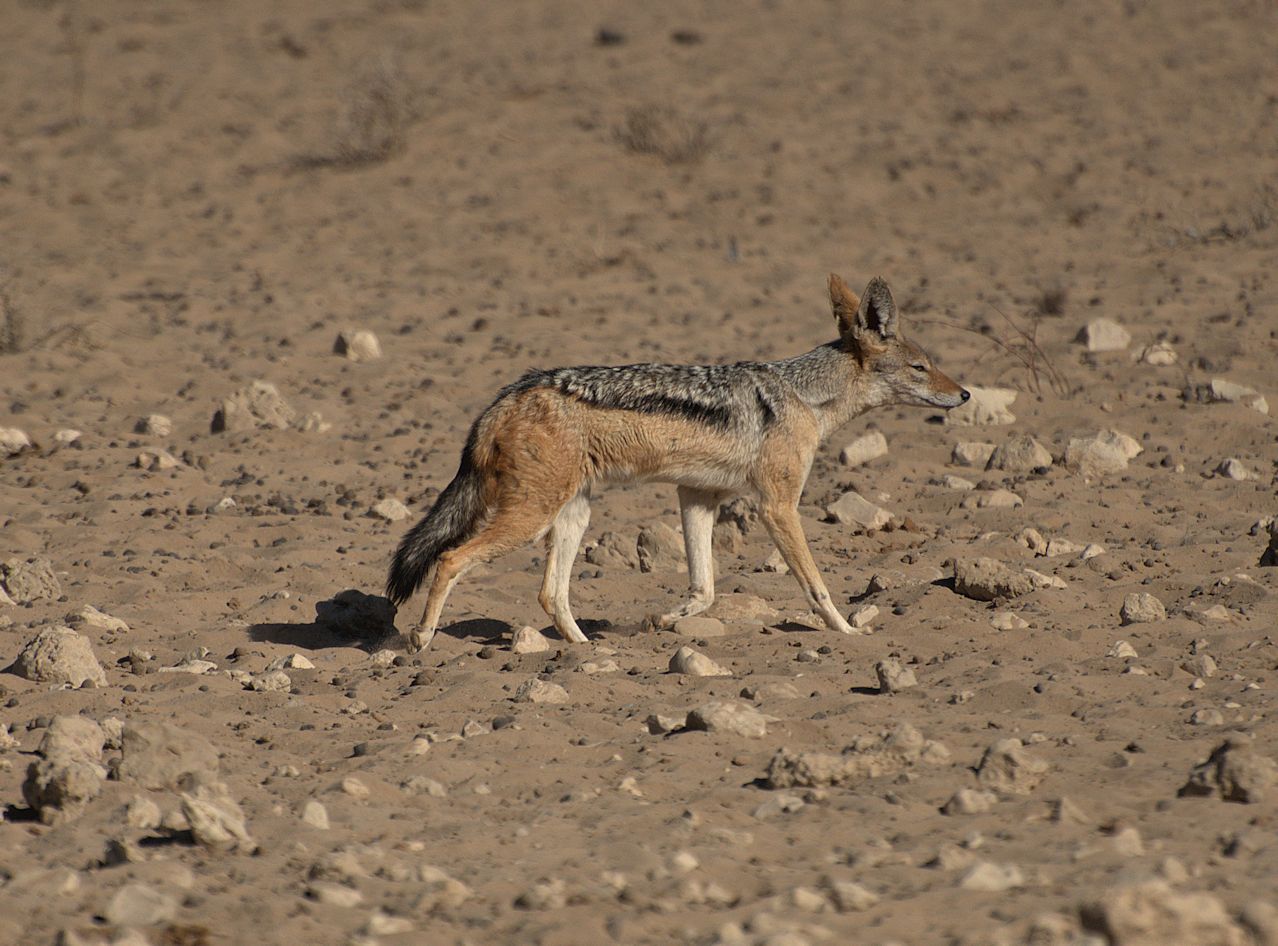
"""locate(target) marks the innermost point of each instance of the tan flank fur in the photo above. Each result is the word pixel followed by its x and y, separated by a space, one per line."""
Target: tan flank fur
pixel 716 432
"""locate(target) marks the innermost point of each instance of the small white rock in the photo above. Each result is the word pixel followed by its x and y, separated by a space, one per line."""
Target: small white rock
pixel 992 878
pixel 696 664
pixel 1101 335
pixel 854 509
pixel 699 626
pixel 950 481
pixel 867 447
pixel 359 346
pixel 272 681
pixel 390 509
pixel 1007 621
pixel 13 441
pixel 972 453
pixel 985 407
pixel 1233 469
pixel 1141 608
pixel 1122 650
pixel 528 640
pixel 536 690
pixel 1159 355
pixel 155 425
pixel 864 615
pixel 156 460
pixel 893 678
pixel 315 814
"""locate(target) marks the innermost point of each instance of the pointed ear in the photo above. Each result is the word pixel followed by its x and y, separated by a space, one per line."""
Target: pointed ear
pixel 876 316
pixel 844 303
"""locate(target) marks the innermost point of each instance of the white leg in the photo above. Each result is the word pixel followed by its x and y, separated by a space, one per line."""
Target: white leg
pixel 697 509
pixel 562 542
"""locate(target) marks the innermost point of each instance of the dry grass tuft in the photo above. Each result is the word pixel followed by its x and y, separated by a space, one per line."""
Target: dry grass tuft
pixel 375 114
pixel 661 131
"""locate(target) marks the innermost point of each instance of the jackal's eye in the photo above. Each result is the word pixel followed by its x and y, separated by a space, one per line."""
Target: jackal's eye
pixel 919 366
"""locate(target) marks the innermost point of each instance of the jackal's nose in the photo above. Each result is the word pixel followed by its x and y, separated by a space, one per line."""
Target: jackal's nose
pixel 965 396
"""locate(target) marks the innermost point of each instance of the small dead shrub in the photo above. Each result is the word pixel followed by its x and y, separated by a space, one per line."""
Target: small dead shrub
pixel 11 327
pixel 661 131
pixel 375 114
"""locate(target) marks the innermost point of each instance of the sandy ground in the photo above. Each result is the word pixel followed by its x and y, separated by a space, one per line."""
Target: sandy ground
pixel 194 196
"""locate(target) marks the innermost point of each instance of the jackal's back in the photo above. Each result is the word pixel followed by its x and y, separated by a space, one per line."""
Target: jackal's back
pixel 726 397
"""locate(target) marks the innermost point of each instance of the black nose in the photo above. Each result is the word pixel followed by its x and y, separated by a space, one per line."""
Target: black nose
pixel 966 395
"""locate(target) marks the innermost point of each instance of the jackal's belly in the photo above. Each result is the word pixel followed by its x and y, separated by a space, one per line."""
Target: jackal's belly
pixel 667 450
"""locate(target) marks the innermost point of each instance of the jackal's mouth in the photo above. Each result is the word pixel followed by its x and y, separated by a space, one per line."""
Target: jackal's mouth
pixel 948 401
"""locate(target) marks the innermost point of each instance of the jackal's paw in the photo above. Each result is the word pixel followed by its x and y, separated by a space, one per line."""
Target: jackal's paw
pixel 419 639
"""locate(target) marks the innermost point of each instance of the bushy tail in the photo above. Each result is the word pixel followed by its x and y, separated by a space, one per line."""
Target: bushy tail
pixel 453 519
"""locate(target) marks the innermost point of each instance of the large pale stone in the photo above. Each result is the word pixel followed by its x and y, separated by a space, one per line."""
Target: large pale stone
pixel 854 509
pixel 987 407
pixel 59 655
pixel 1101 335
pixel 867 447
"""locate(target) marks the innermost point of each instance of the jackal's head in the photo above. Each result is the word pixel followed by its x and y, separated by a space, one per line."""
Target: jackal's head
pixel 897 371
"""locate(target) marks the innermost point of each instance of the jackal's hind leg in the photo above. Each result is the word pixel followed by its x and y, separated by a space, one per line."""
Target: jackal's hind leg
pixel 783 524
pixel 562 542
pixel 697 509
pixel 512 525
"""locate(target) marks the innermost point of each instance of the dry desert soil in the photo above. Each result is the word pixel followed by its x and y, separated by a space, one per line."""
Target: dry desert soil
pixel 197 198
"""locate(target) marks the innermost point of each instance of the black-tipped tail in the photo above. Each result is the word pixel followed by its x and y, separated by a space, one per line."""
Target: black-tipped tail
pixel 450 522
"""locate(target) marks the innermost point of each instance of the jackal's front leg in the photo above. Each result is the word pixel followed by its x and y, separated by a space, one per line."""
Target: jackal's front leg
pixel 783 524
pixel 697 509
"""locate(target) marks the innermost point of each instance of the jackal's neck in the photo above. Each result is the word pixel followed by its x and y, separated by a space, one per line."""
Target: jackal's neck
pixel 828 380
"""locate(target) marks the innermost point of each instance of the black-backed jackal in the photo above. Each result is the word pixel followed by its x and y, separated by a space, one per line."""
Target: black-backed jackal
pixel 715 431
